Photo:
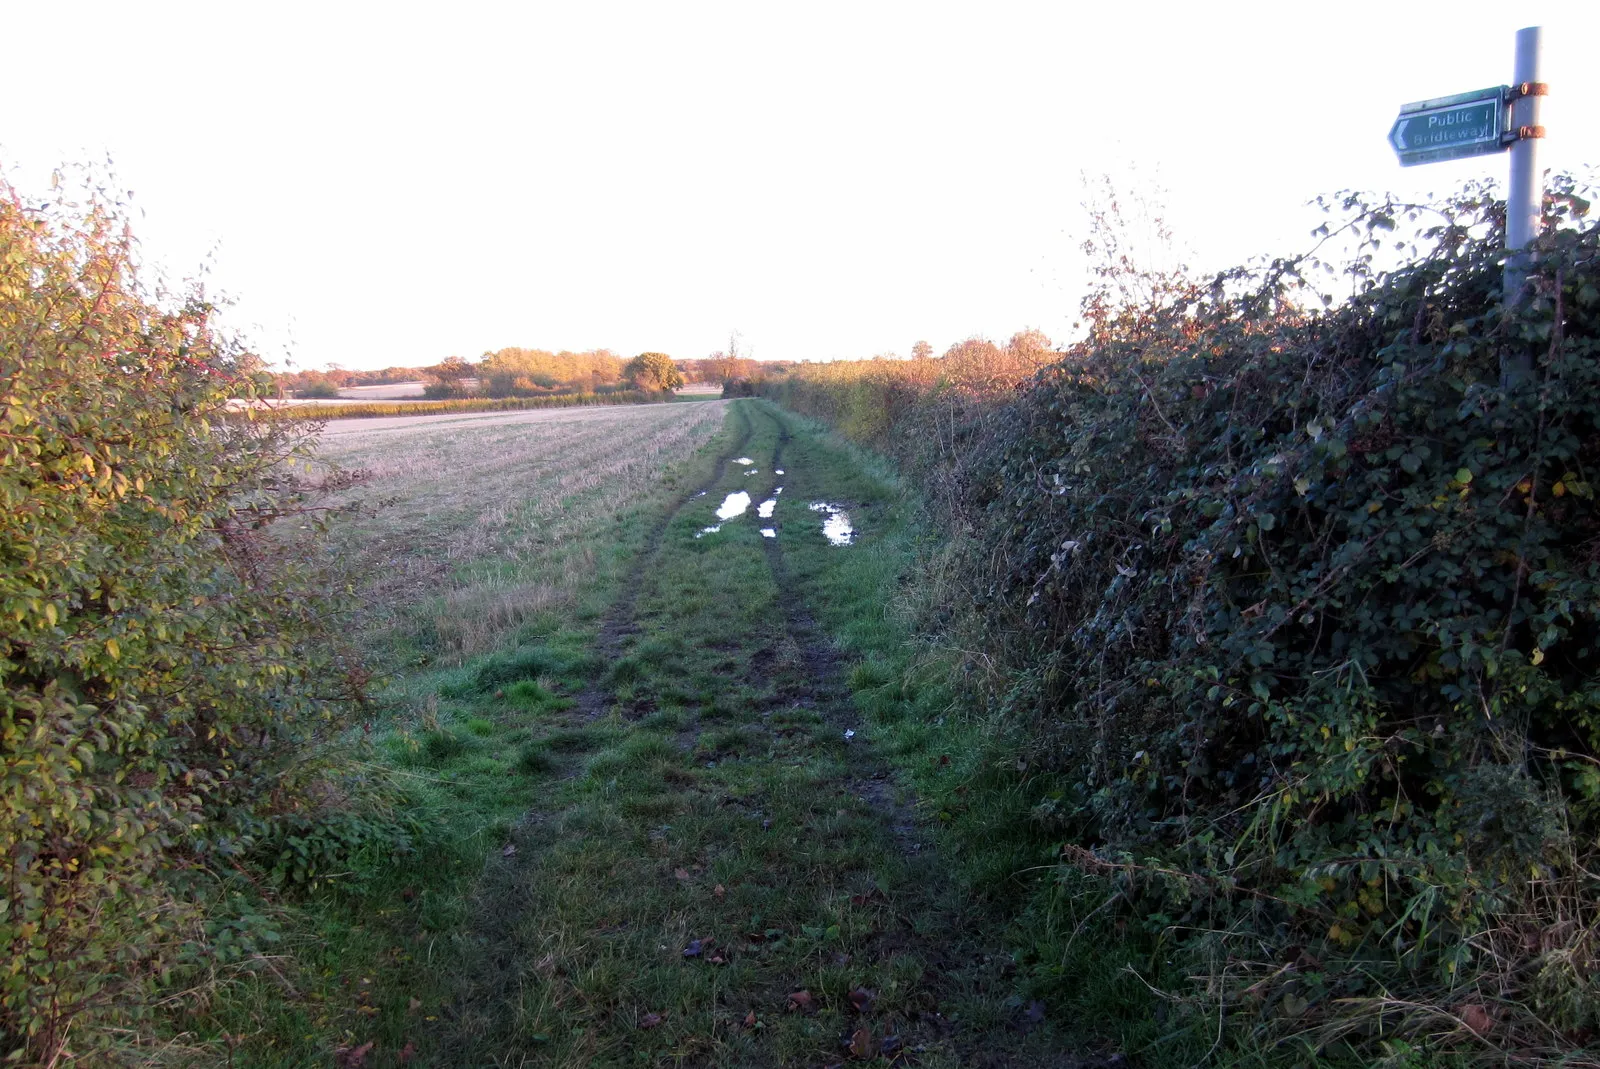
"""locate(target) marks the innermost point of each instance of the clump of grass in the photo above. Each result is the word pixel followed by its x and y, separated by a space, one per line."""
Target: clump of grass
pixel 623 671
pixel 534 758
pixel 637 753
pixel 438 748
pixel 525 663
pixel 534 696
pixel 723 741
pixel 567 740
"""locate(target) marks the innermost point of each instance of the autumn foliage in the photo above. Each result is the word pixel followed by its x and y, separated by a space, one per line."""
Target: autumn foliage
pixel 1289 610
pixel 163 667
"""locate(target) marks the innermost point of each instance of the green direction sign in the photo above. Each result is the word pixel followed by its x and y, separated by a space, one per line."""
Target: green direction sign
pixel 1447 128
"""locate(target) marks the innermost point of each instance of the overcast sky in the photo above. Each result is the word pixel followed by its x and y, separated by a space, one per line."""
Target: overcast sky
pixel 396 183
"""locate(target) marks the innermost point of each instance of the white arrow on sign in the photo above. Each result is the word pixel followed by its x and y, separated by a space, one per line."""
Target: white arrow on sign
pixel 1397 136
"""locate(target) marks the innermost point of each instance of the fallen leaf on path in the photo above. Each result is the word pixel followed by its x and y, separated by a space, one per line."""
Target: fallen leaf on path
pixel 406 1053
pixel 651 1020
pixel 861 1044
pixel 414 1005
pixel 510 849
pixel 750 1019
pixel 718 891
pixel 802 1001
pixel 1477 1018
pixel 353 1057
pixel 861 998
pixel 680 874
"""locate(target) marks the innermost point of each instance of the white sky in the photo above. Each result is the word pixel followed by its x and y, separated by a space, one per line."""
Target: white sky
pixel 393 183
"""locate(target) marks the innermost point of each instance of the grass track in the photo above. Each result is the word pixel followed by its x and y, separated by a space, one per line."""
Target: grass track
pixel 719 807
pixel 644 837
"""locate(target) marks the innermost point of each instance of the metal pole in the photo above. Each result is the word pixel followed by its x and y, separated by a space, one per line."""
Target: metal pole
pixel 1523 201
pixel 1525 195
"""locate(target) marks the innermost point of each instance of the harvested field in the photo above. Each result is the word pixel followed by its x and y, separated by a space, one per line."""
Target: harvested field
pixel 418 423
pixel 472 524
pixel 394 391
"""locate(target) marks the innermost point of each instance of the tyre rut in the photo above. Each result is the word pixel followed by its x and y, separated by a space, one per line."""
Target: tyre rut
pixel 618 623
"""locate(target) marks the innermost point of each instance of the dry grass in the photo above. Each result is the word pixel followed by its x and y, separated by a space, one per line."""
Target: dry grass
pixel 469 527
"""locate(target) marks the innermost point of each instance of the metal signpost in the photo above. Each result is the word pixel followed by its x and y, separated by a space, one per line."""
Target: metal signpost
pixel 1490 120
pixel 1467 124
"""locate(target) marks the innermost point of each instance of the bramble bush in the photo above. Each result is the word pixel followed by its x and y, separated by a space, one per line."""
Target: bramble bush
pixel 1295 603
pixel 168 670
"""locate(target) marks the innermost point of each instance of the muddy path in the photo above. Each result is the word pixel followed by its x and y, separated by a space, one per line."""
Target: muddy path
pixel 618 622
pixel 724 871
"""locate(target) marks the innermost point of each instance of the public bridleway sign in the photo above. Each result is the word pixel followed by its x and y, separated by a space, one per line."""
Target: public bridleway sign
pixel 1447 128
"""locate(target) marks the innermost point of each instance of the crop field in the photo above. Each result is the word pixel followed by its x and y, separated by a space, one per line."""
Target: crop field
pixel 489 520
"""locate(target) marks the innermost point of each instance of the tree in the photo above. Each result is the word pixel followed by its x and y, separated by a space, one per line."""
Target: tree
pixel 654 372
pixel 450 377
pixel 1030 342
pixel 451 370
pixel 921 351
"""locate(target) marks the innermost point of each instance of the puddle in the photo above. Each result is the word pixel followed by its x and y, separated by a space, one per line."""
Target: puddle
pixel 777 471
pixel 735 504
pixel 768 532
pixel 836 526
pixel 701 494
pixel 764 510
pixel 778 491
pixel 753 471
pixel 743 460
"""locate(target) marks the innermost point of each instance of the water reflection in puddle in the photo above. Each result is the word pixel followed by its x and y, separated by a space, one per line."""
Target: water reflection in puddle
pixel 743 460
pixel 764 510
pixel 753 471
pixel 777 471
pixel 768 532
pixel 836 526
pixel 735 504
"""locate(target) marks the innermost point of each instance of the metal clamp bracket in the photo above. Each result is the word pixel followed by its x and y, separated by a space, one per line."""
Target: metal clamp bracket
pixel 1527 89
pixel 1521 133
